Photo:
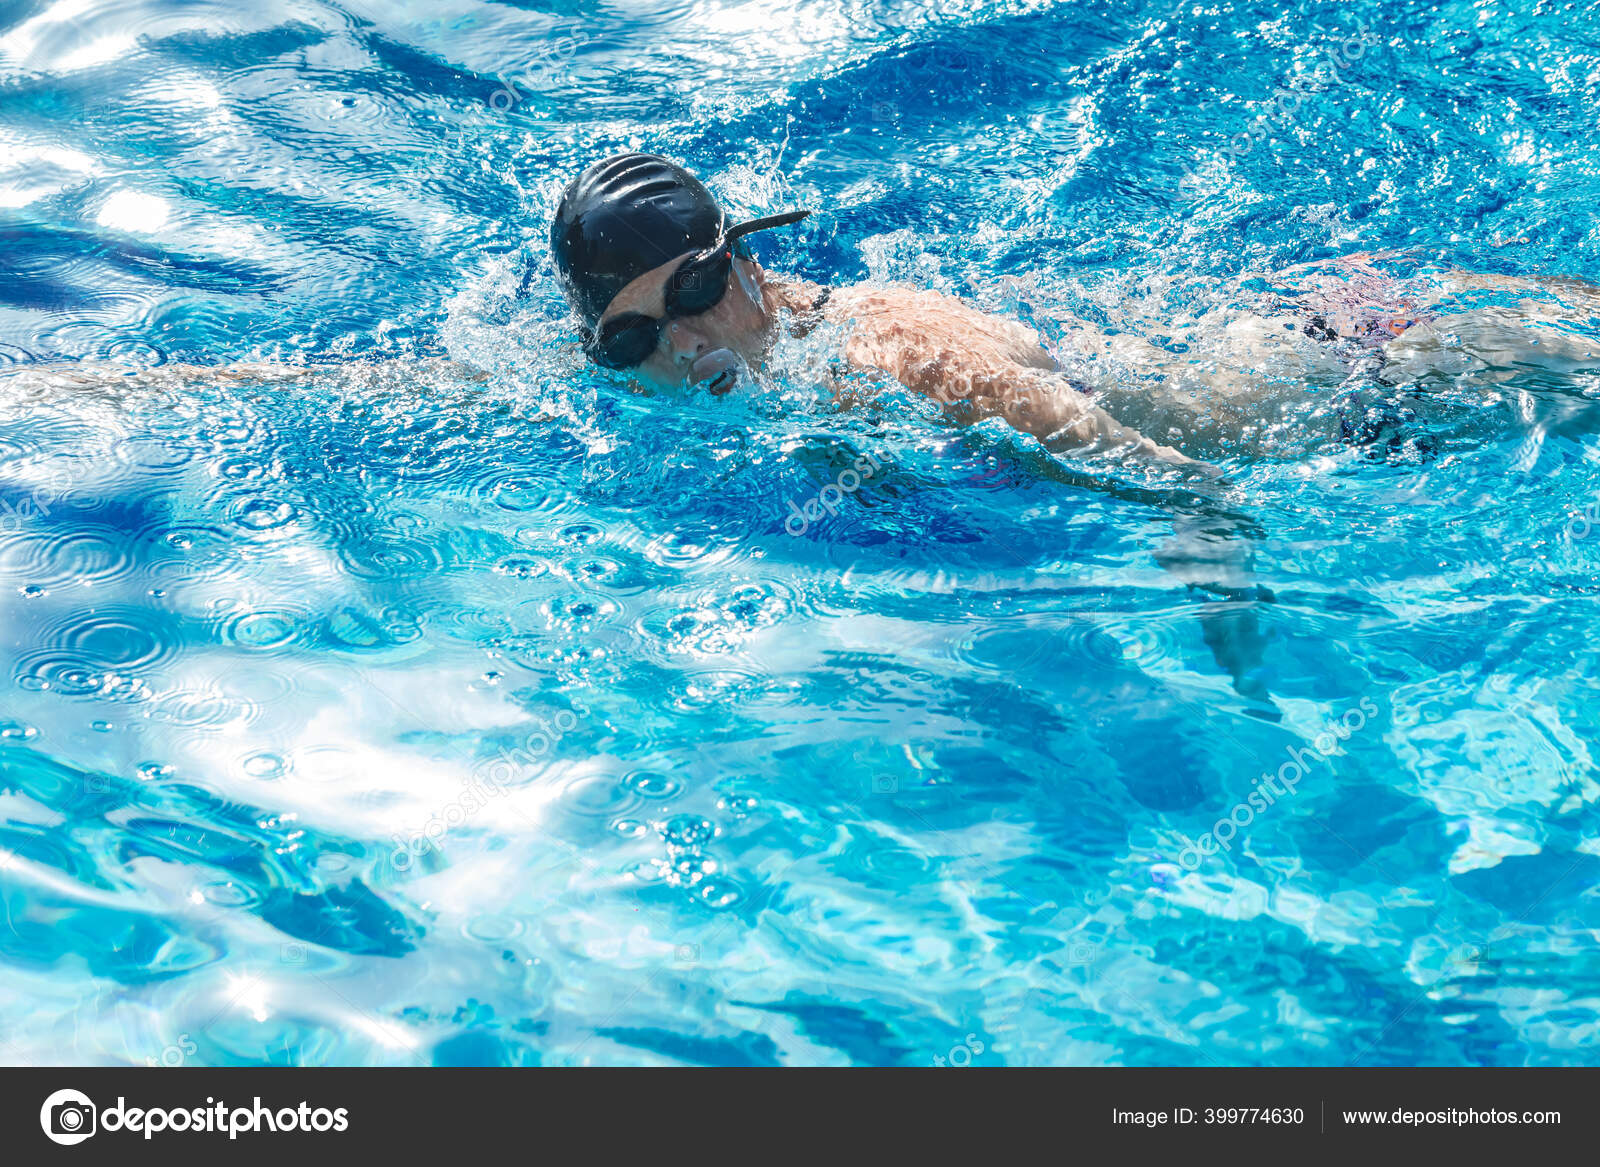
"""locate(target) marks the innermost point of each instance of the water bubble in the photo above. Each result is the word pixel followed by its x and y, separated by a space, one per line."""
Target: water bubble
pixel 227 894
pixel 516 494
pixel 241 469
pixel 203 708
pixel 652 870
pixel 738 805
pixel 688 831
pixel 652 784
pixel 263 514
pixel 71 676
pixel 391 557
pixel 720 894
pixel 265 630
pixel 266 766
pixel 190 553
pixel 580 534
pixel 596 570
pixel 521 567
pixel 154 771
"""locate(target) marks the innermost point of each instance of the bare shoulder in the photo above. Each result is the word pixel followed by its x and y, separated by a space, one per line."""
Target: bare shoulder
pixel 904 330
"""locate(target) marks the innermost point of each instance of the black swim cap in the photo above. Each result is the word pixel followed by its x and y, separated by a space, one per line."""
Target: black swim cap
pixel 622 217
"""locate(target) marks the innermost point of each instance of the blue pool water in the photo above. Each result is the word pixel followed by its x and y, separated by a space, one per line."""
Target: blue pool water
pixel 399 714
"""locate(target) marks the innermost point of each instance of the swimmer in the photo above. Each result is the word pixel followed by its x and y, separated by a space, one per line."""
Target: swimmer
pixel 665 288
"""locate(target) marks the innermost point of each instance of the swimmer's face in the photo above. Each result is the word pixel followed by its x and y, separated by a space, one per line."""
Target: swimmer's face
pixel 704 349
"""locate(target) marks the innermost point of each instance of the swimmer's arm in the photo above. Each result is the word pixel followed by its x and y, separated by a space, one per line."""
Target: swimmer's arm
pixel 1451 282
pixel 1034 401
pixel 103 376
pixel 1576 294
pixel 1048 407
pixel 980 366
pixel 94 374
pixel 266 371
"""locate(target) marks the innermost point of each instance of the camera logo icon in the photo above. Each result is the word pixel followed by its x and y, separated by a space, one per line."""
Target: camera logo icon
pixel 68 1117
pixel 1083 952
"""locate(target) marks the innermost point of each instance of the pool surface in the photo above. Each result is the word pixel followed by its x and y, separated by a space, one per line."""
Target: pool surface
pixel 448 703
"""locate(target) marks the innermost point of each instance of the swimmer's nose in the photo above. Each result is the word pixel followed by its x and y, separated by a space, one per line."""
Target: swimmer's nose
pixel 685 342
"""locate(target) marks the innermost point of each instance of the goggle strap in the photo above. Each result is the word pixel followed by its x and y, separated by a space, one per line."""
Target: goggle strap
pixel 762 224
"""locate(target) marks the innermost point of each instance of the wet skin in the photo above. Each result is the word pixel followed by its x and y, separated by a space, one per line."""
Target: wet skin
pixel 974 364
pixel 702 349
